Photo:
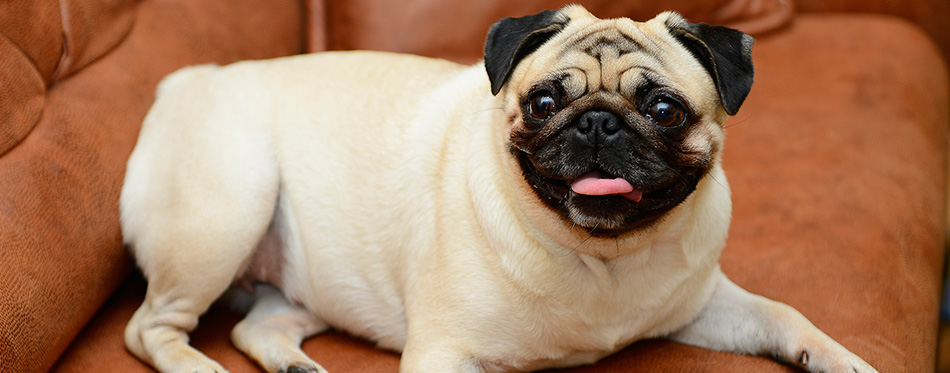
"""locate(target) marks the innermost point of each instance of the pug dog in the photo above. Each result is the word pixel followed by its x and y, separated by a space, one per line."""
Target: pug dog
pixel 547 214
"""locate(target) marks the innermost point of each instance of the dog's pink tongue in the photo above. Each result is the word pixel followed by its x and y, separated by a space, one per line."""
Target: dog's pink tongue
pixel 594 184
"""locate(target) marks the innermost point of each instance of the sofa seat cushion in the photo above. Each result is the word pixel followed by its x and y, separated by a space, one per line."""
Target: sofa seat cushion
pixel 838 167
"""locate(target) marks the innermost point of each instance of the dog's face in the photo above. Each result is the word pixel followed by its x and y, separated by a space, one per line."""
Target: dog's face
pixel 613 122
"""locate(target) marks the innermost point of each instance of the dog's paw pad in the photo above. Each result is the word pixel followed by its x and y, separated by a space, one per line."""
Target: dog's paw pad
pixel 302 369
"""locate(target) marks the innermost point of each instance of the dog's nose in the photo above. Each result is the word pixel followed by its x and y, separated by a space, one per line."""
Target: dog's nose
pixel 598 127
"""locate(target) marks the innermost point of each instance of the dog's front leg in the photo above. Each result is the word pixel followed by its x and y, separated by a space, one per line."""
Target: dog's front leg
pixel 738 321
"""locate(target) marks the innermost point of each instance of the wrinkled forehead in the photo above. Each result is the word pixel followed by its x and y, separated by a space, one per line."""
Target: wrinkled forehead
pixel 616 55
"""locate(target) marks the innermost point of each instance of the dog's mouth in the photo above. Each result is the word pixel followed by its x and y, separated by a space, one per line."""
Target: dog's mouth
pixel 597 184
pixel 608 205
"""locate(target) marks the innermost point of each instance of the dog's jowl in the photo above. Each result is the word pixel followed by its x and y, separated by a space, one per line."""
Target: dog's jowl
pixel 544 208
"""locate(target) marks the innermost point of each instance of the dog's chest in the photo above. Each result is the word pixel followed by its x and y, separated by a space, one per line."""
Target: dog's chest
pixel 565 331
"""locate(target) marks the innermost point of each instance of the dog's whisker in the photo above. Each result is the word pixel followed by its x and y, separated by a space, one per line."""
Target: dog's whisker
pixel 488 109
pixel 679 175
pixel 721 185
pixel 736 123
pixel 589 236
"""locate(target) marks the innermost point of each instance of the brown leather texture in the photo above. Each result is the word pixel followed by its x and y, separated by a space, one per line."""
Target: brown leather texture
pixel 60 38
pixel 22 94
pixel 837 162
pixel 29 53
pixel 40 39
pixel 932 16
pixel 90 30
pixel 433 27
pixel 60 245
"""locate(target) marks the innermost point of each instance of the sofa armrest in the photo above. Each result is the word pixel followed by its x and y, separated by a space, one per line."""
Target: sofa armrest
pixel 61 251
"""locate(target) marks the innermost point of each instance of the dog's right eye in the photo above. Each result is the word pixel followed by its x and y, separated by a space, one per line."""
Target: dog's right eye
pixel 541 105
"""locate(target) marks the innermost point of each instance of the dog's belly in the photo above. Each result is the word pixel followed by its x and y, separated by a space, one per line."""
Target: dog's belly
pixel 351 204
pixel 340 243
pixel 342 283
pixel 358 296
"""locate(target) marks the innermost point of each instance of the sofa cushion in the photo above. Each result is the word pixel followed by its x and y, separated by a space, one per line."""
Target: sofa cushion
pixel 29 53
pixel 22 94
pixel 90 30
pixel 60 38
pixel 41 39
pixel 838 166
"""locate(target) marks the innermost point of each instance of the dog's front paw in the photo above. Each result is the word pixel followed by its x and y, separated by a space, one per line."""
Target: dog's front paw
pixel 303 369
pixel 831 357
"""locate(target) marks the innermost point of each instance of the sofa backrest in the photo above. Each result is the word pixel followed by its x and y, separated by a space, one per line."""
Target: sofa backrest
pixel 61 38
pixel 456 30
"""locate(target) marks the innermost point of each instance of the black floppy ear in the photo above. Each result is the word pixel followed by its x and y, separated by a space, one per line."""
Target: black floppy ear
pixel 512 39
pixel 725 53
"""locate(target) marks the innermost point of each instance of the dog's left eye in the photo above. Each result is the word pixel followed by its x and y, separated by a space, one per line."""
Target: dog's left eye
pixel 667 112
pixel 541 105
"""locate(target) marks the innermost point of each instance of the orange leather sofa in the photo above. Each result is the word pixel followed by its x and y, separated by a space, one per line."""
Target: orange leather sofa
pixel 838 162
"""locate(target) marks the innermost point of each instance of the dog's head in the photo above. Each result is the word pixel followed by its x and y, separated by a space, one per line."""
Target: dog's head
pixel 614 122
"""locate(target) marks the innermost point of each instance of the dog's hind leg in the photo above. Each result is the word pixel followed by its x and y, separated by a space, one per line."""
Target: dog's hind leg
pixel 273 330
pixel 200 191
